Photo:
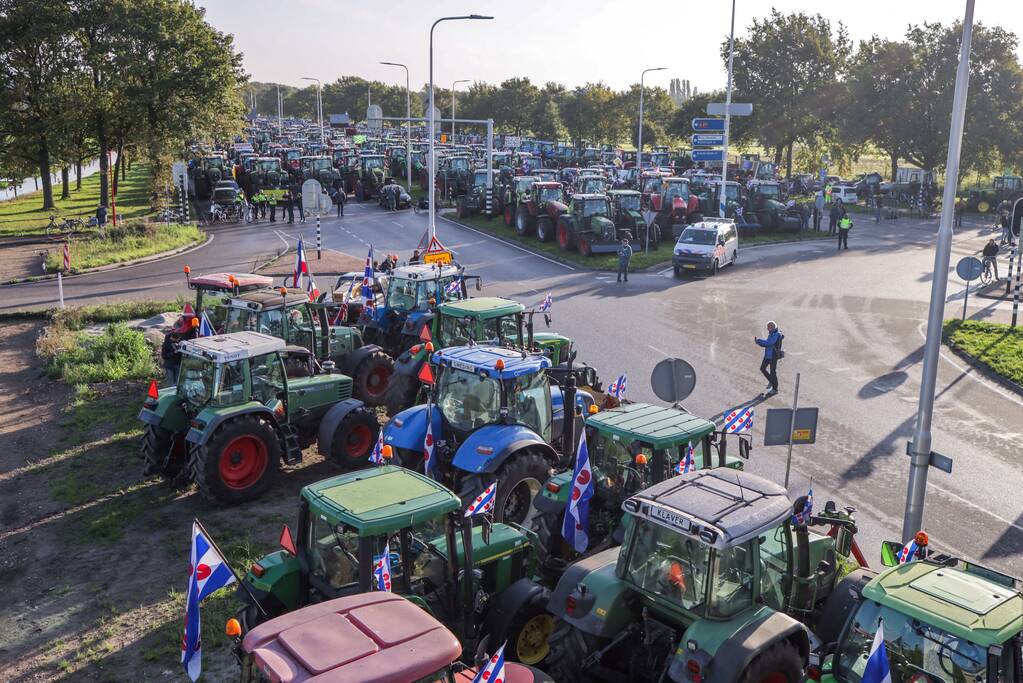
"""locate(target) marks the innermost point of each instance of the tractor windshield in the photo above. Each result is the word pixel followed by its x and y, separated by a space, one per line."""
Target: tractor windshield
pixel 550 194
pixel 269 322
pixel 195 379
pixel 467 400
pixel 771 191
pixel 215 162
pixel 529 402
pixel 459 164
pixel 321 165
pixel 652 185
pixel 595 207
pixel 269 165
pixel 665 563
pixel 916 650
pixel 677 190
pixel 369 163
pixel 659 159
pixel 628 202
pixel 401 294
pixel 503 331
pixel 333 552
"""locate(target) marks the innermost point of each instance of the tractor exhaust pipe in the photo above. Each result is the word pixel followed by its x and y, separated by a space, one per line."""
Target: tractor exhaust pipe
pixel 802 553
pixel 568 435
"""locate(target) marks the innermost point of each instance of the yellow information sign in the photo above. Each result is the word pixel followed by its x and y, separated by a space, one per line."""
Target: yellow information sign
pixel 442 257
pixel 800 435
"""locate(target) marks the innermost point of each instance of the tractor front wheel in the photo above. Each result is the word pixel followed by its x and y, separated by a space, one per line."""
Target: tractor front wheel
pixel 584 247
pixel 780 664
pixel 509 217
pixel 460 209
pixel 238 463
pixel 360 192
pixel 372 377
pixel 401 393
pixel 523 222
pixel 518 481
pixel 569 649
pixel 165 453
pixel 565 240
pixel 354 438
pixel 544 229
pixel 551 546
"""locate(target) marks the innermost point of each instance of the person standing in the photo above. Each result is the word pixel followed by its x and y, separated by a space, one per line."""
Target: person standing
pixel 341 199
pixel 272 201
pixel 624 256
pixel 296 201
pixel 844 226
pixel 957 212
pixel 878 205
pixel 263 200
pixel 772 354
pixel 288 205
pixel 833 216
pixel 101 217
pixel 818 210
pixel 990 254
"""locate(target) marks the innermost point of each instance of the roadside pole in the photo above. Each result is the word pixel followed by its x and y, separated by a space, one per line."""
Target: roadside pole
pixel 61 271
pixel 1012 258
pixel 490 168
pixel 792 427
pixel 1015 291
pixel 319 241
pixel 722 192
pixel 920 448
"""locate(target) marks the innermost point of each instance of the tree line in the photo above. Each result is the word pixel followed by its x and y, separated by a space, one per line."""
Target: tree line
pixel 814 92
pixel 79 78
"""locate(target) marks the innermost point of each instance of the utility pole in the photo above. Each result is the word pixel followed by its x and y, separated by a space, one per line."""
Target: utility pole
pixel 728 111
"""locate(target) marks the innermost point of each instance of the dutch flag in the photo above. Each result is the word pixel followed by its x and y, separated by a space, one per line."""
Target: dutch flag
pixel 877 669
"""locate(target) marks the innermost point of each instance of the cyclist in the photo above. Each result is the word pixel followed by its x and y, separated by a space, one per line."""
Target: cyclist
pixel 991 256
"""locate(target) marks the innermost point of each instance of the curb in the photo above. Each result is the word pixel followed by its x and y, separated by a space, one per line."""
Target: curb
pixel 984 369
pixel 114 266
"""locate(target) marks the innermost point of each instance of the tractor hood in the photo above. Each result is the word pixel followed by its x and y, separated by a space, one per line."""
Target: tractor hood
pixel 603 226
pixel 773 205
pixel 555 208
pixel 407 429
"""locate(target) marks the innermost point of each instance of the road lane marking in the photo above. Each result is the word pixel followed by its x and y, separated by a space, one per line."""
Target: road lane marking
pixel 666 355
pixel 513 246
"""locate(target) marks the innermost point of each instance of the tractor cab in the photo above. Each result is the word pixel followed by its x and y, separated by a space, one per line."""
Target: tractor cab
pixel 213 289
pixel 945 619
pixel 590 184
pixel 658 159
pixel 717 573
pixel 483 320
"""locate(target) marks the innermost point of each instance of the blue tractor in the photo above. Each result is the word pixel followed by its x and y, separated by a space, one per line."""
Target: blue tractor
pixel 495 416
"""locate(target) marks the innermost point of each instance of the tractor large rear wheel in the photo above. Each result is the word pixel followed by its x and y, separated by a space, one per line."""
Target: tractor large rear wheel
pixel 565 238
pixel 569 649
pixel 509 216
pixel 238 463
pixel 544 229
pixel 371 378
pixel 781 663
pixel 584 246
pixel 165 453
pixel 354 438
pixel 518 481
pixel 401 393
pixel 523 221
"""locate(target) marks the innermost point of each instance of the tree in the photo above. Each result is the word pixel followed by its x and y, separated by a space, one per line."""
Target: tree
pixel 514 103
pixel 658 114
pixel 589 114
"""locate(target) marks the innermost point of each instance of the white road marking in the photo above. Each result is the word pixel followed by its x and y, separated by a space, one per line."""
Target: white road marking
pixel 398 224
pixel 666 355
pixel 513 246
pixel 281 238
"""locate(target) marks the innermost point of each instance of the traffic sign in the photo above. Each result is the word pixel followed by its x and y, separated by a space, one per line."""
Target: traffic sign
pixel 436 253
pixel 736 109
pixel 673 379
pixel 707 154
pixel 969 268
pixel 708 139
pixel 779 420
pixel 708 124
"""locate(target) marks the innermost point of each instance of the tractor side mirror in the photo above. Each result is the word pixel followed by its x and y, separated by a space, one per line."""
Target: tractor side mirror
pixel 744 448
pixel 890 553
pixel 479 284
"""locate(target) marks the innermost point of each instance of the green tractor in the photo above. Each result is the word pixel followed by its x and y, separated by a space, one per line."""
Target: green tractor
pixel 631 447
pixel 718 578
pixel 370 176
pixel 212 170
pixel 477 577
pixel 267 174
pixel 320 168
pixel 984 199
pixel 515 190
pixel 945 619
pixel 627 215
pixel 299 322
pixel 243 403
pixel 475 199
pixel 454 173
pixel 587 226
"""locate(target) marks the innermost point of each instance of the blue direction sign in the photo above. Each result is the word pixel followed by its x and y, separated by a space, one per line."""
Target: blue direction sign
pixel 708 124
pixel 708 140
pixel 707 154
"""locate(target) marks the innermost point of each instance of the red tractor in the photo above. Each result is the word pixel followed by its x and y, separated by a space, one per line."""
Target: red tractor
pixel 674 206
pixel 539 210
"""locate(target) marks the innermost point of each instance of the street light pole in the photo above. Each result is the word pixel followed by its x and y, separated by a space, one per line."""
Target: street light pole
pixel 280 112
pixel 319 103
pixel 408 124
pixel 453 85
pixel 432 161
pixel 728 111
pixel 920 448
pixel 639 147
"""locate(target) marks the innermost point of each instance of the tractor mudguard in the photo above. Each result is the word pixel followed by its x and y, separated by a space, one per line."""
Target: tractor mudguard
pixel 279 585
pixel 352 360
pixel 407 429
pixel 550 501
pixel 415 323
pixel 167 413
pixel 214 418
pixel 728 652
pixel 330 422
pixel 488 447
pixel 603 610
pixel 408 364
pixel 503 610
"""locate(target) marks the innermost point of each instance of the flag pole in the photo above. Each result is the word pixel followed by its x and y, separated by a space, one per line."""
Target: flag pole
pixel 209 537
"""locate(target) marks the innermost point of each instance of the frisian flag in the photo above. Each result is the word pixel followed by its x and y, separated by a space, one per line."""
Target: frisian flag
pixel 454 288
pixel 877 669
pixel 493 672
pixel 382 570
pixel 617 388
pixel 428 442
pixel 686 464
pixel 909 551
pixel 739 420
pixel 367 282
pixel 301 266
pixel 205 327
pixel 546 304
pixel 484 502
pixel 802 518
pixel 575 528
pixel 208 572
pixel 377 456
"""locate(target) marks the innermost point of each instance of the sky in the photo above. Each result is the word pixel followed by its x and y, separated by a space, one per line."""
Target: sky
pixel 570 42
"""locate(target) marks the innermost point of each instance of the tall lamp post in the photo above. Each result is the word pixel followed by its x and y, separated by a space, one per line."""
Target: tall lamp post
pixel 453 86
pixel 431 161
pixel 319 103
pixel 722 193
pixel 280 112
pixel 639 152
pixel 408 124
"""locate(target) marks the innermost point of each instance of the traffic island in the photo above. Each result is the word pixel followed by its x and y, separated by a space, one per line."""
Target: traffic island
pixel 994 348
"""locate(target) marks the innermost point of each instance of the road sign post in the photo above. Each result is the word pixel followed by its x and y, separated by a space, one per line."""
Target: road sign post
pixel 792 426
pixel 735 109
pixel 701 125
pixel 1015 291
pixel 969 268
pixel 708 139
pixel 319 241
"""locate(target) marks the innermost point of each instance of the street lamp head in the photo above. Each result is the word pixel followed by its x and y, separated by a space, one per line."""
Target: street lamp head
pixel 479 16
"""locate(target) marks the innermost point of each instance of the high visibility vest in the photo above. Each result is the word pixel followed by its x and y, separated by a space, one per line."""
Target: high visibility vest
pixel 273 200
pixel 845 223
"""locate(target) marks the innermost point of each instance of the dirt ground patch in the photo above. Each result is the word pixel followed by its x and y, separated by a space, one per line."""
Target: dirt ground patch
pixel 19 261
pixel 93 556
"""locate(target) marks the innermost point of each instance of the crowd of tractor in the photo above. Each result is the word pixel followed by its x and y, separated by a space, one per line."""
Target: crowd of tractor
pixel 496 497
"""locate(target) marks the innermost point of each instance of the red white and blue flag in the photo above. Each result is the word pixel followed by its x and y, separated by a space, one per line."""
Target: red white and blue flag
pixel 367 282
pixel 454 288
pixel 686 464
pixel 428 442
pixel 208 572
pixel 909 552
pixel 342 314
pixel 575 528
pixel 617 388
pixel 205 328
pixel 546 304
pixel 484 502
pixel 301 266
pixel 803 518
pixel 493 672
pixel 739 420
pixel 311 289
pixel 382 570
pixel 377 456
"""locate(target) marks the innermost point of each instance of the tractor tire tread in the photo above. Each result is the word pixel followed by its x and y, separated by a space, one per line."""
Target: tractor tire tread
pixel 338 454
pixel 202 458
pixel 362 373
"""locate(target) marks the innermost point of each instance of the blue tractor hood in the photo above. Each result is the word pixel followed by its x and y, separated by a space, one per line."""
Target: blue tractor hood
pixel 407 429
pixel 484 360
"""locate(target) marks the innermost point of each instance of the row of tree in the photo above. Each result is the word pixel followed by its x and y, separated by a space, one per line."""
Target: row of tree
pixel 79 78
pixel 814 92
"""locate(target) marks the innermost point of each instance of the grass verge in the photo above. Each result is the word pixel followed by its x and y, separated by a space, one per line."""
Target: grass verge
pixel 640 260
pixel 22 216
pixel 995 346
pixel 126 242
pixel 80 357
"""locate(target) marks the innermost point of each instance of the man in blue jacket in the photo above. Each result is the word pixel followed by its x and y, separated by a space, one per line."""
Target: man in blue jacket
pixel 772 353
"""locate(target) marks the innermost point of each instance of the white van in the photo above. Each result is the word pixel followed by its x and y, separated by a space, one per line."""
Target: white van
pixel 844 193
pixel 706 246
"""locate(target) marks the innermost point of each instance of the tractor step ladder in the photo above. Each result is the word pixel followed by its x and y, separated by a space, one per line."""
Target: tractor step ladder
pixel 292 449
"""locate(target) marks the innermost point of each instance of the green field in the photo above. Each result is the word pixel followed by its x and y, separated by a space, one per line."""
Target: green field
pixel 131 241
pixel 22 216
pixel 660 256
pixel 995 346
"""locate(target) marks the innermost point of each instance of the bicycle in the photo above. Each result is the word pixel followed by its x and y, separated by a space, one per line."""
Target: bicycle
pixel 55 230
pixel 987 275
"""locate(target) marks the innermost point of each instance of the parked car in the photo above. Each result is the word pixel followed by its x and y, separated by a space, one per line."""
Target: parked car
pixel 706 245
pixel 844 193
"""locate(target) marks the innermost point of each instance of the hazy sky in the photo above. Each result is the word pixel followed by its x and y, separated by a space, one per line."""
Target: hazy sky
pixel 570 42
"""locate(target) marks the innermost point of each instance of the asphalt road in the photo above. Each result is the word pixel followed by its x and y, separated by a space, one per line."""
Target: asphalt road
pixel 853 323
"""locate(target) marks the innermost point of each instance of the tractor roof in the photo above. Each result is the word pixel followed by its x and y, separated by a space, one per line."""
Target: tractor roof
pixel 589 197
pixel 958 600
pixel 481 359
pixel 481 307
pixel 222 281
pixel 365 638
pixel 223 348
pixel 371 156
pixel 546 184
pixel 659 426
pixel 422 271
pixel 722 507
pixel 259 299
pixel 624 193
pixel 383 499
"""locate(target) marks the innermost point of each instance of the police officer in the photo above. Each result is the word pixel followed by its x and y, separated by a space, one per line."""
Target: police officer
pixel 272 201
pixel 844 225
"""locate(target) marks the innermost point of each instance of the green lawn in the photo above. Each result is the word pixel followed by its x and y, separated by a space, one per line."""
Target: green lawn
pixel 125 243
pixel 640 260
pixel 22 216
pixel 995 346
